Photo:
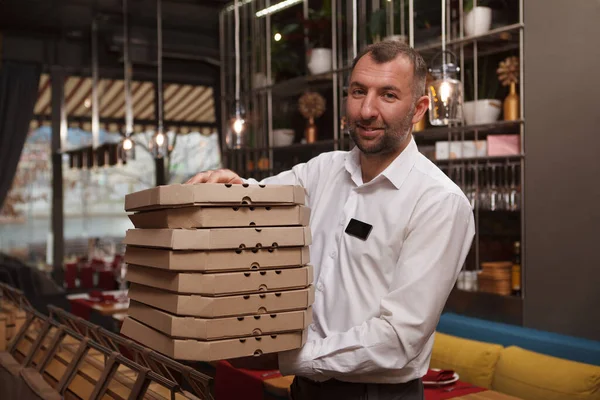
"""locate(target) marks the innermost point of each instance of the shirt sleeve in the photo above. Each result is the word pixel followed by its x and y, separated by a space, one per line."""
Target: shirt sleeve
pixel 439 237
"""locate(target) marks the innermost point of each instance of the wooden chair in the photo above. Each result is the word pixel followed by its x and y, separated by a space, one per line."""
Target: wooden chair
pixel 12 302
pixel 80 368
pixel 172 370
pixel 18 379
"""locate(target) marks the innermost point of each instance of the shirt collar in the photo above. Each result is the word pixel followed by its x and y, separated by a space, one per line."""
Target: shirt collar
pixel 396 172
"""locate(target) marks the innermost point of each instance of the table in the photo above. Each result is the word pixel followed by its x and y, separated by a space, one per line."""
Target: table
pixel 488 395
pixel 82 304
pixel 271 385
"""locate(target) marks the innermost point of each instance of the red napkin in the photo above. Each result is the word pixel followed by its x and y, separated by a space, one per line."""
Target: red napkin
pixel 438 376
pixel 97 296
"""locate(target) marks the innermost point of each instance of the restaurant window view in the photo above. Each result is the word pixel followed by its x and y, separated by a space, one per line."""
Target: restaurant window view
pixel 299 199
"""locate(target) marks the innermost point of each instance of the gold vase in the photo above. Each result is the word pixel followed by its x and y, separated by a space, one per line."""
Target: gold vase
pixel 511 104
pixel 311 131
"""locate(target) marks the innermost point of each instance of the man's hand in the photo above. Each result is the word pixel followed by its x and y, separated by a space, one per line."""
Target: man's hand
pixel 264 362
pixel 216 176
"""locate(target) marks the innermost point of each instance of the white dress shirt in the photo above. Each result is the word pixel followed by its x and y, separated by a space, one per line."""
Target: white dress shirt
pixel 378 301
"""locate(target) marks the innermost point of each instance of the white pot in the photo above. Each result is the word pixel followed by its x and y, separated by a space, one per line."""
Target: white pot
pixel 478 21
pixel 259 80
pixel 319 61
pixel 397 38
pixel 483 111
pixel 283 137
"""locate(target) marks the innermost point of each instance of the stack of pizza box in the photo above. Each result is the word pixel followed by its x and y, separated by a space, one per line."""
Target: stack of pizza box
pixel 218 271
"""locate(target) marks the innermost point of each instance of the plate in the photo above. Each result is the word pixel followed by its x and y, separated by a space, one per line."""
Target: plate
pixel 441 383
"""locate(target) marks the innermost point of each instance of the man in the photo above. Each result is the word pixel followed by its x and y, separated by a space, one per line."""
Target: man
pixel 378 297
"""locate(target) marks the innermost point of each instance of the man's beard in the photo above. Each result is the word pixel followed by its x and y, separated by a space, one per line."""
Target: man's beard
pixel 392 139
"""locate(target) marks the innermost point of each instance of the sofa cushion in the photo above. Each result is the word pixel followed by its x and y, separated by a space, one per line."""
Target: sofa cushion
pixel 553 344
pixel 473 361
pixel 535 376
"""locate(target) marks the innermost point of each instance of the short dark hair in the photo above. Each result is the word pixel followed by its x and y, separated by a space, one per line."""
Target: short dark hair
pixel 388 50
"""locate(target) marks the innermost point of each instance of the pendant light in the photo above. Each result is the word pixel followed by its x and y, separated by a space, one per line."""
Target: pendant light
pixel 97 154
pixel 237 124
pixel 159 143
pixel 127 147
pixel 445 91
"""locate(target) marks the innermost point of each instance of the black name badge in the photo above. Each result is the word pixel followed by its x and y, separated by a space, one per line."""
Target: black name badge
pixel 358 229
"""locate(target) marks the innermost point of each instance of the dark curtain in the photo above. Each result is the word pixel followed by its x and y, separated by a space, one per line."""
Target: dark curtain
pixel 18 94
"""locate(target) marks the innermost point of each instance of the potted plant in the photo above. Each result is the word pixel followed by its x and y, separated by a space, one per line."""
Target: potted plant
pixel 378 22
pixel 318 26
pixel 478 20
pixel 486 109
pixel 285 62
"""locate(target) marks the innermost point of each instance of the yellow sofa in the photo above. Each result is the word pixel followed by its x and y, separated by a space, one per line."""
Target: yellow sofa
pixel 515 371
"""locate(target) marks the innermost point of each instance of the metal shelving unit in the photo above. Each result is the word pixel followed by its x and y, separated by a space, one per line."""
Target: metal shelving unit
pixel 265 98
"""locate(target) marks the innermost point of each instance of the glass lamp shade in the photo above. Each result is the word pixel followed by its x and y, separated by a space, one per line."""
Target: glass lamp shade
pixel 236 131
pixel 445 95
pixel 159 144
pixel 127 149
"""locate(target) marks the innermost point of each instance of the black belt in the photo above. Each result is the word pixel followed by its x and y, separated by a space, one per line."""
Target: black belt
pixel 353 390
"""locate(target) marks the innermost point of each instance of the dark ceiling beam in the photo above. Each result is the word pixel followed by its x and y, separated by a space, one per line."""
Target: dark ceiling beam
pixel 121 121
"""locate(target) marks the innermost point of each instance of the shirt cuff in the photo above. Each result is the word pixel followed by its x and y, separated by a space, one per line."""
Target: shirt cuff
pixel 296 362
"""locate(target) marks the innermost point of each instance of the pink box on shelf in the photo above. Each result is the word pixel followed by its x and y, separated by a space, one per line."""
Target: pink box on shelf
pixel 503 145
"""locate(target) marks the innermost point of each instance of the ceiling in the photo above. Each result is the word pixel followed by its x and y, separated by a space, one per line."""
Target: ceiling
pixel 187 108
pixel 190 33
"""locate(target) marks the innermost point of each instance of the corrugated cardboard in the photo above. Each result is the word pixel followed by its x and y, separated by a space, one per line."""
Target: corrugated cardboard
pixel 220 328
pixel 221 217
pixel 225 238
pixel 222 283
pixel 196 350
pixel 213 193
pixel 224 306
pixel 217 260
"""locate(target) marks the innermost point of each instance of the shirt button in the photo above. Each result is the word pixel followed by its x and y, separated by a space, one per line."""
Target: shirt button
pixel 342 221
pixel 332 254
pixel 312 327
pixel 320 287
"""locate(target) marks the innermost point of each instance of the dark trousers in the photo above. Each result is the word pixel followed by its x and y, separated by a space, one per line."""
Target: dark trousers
pixel 306 389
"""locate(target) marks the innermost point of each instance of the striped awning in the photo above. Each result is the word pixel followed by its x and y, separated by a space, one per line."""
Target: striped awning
pixel 187 108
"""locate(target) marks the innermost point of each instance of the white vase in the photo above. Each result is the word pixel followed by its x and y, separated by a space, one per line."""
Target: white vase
pixel 319 61
pixel 283 137
pixel 483 111
pixel 397 38
pixel 478 21
pixel 259 80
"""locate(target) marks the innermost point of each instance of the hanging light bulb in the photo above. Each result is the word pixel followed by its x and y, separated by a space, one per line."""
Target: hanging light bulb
pixel 237 129
pixel 237 124
pixel 445 94
pixel 127 149
pixel 159 144
pixel 445 91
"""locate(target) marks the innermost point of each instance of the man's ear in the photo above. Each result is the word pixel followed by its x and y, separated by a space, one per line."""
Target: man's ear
pixel 420 108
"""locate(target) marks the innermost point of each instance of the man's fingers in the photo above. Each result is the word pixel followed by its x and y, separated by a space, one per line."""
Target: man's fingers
pixel 217 176
pixel 200 178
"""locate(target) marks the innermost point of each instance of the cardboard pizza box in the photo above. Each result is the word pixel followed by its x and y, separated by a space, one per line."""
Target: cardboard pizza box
pixel 222 283
pixel 220 328
pixel 221 217
pixel 223 306
pixel 217 260
pixel 213 193
pixel 215 239
pixel 197 350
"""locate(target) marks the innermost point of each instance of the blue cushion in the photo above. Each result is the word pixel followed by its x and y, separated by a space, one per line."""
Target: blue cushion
pixel 552 344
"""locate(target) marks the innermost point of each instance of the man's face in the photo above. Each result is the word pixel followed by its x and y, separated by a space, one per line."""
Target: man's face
pixel 380 107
